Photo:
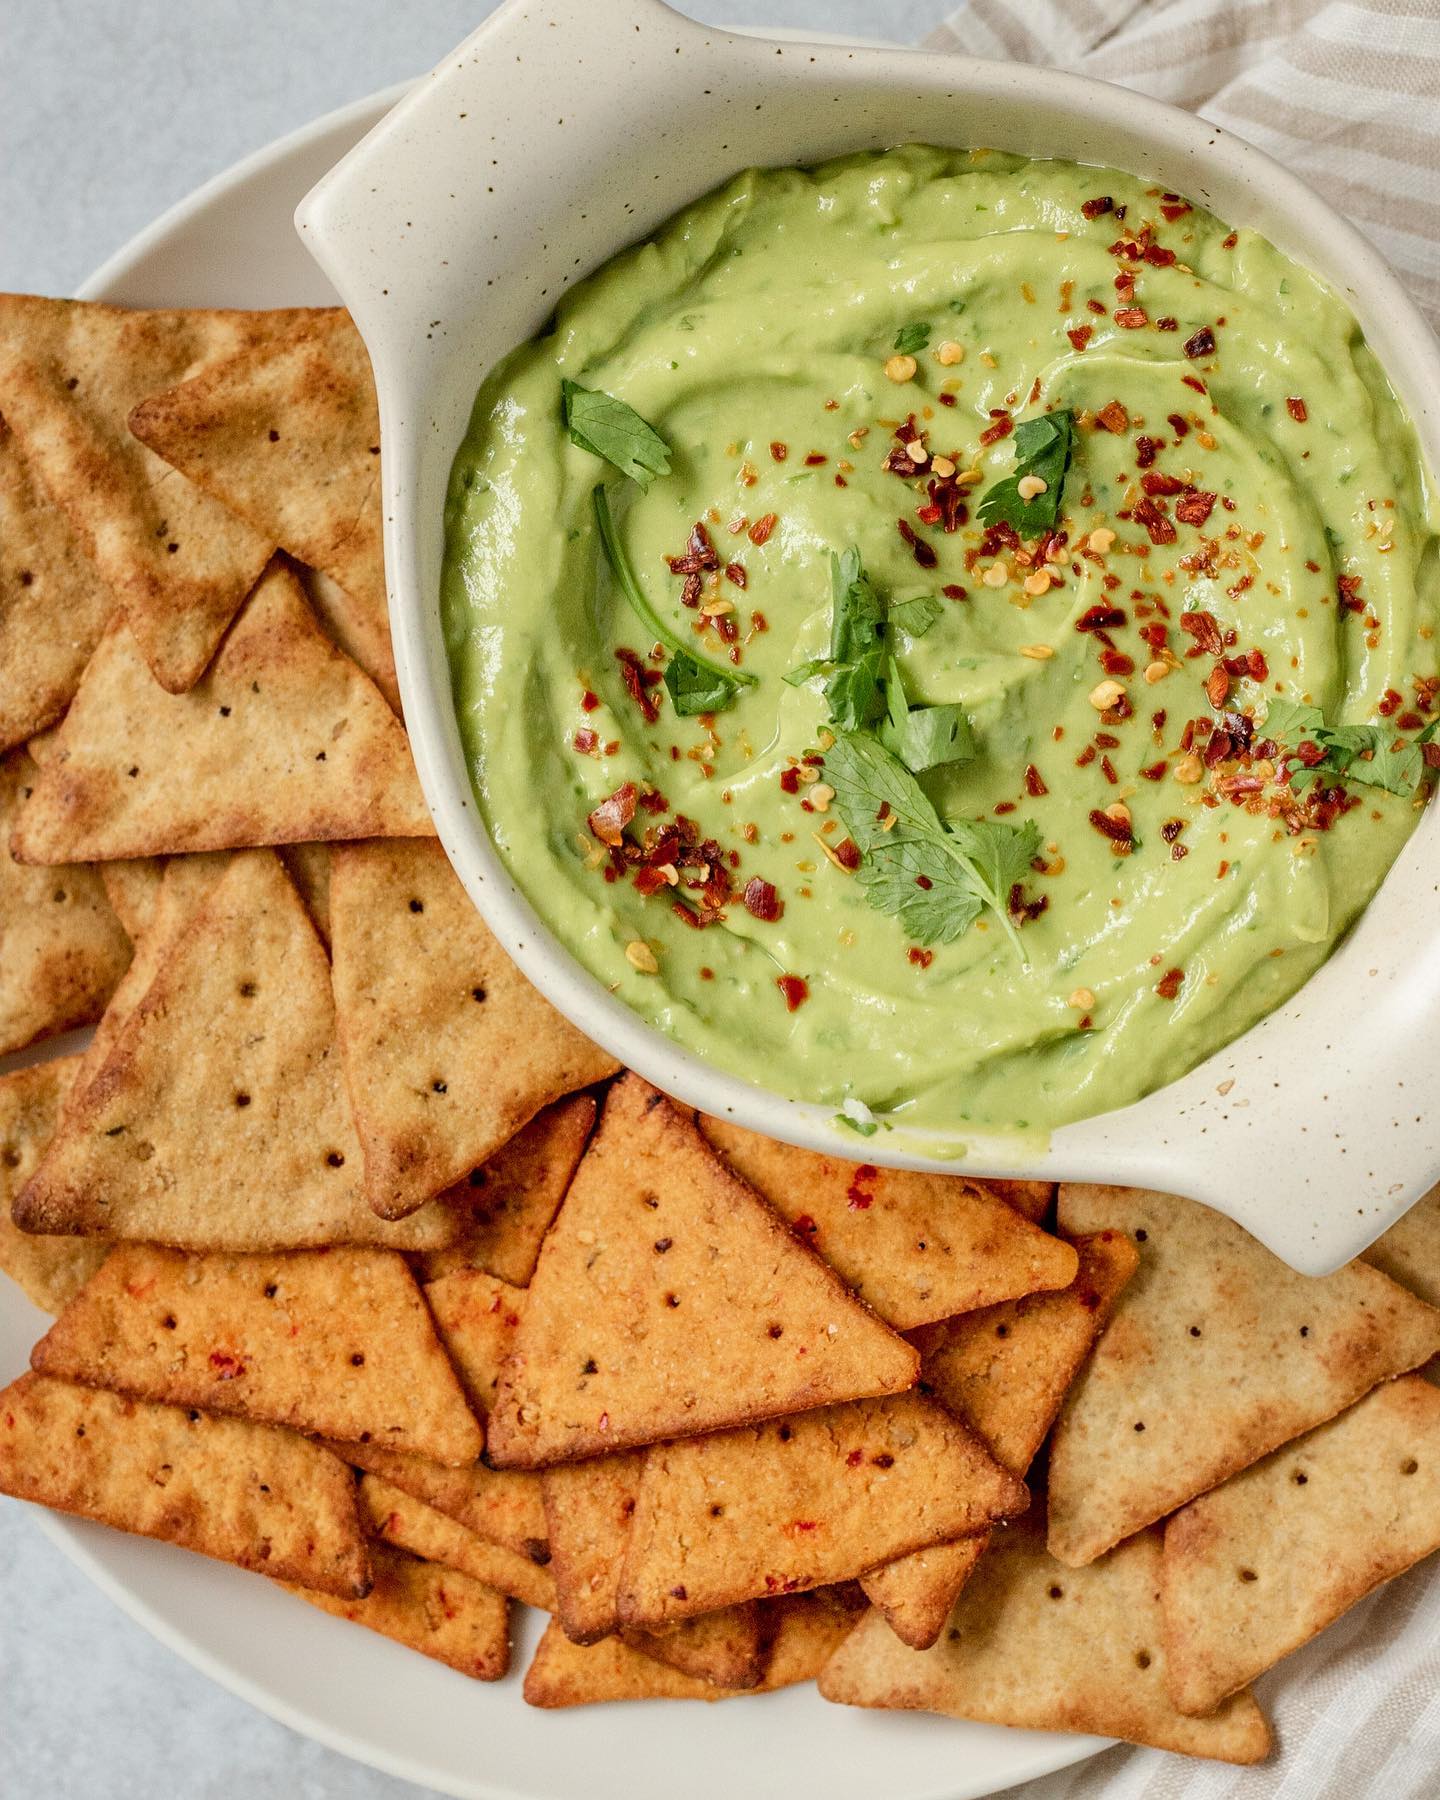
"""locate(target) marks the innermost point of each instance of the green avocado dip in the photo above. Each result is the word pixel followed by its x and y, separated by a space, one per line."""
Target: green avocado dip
pixel 998 663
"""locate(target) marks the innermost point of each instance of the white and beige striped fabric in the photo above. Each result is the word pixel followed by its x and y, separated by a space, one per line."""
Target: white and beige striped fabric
pixel 1347 94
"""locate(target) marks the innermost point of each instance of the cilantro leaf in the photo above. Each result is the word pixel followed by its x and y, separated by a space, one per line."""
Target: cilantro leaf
pixel 936 914
pixel 923 737
pixel 916 615
pixel 911 339
pixel 687 680
pixel 857 616
pixel 1043 447
pixel 1374 755
pixel 1291 721
pixel 607 427
pixel 868 779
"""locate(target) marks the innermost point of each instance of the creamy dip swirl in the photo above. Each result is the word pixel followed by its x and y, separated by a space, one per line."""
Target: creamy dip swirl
pixel 1246 507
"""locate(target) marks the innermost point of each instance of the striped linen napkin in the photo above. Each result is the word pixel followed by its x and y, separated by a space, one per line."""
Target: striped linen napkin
pixel 1347 94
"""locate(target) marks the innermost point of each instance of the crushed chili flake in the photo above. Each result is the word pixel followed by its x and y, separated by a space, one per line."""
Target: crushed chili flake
pixel 1168 986
pixel 1146 450
pixel 613 814
pixel 1113 417
pixel 923 553
pixel 585 740
pixel 1200 343
pixel 638 681
pixel 846 853
pixel 1080 335
pixel 1101 204
pixel 1148 514
pixel 762 528
pixel 1117 830
pixel 761 900
pixel 1178 423
pixel 699 554
pixel 1194 508
pixel 1034 782
pixel 1156 481
pixel 1156 771
pixel 815 458
pixel 922 959
pixel 1131 318
pixel 1158 256
pixel 1347 589
pixel 1297 409
pixel 946 399
pixel 779 451
pixel 1000 426
pixel 1174 208
pixel 796 991
pixel 736 572
pixel 1217 686
pixel 1204 627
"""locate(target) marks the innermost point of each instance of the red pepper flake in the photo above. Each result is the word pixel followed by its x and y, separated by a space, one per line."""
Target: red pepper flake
pixel 856 1196
pixel 761 900
pixel 1200 343
pixel 1347 589
pixel 736 572
pixel 1297 409
pixel 1096 306
pixel 952 591
pixel 1158 256
pixel 923 553
pixel 1086 757
pixel 1171 829
pixel 1156 771
pixel 1156 481
pixel 1204 627
pixel 1146 450
pixel 1194 508
pixel 1113 417
pixel 946 399
pixel 1000 427
pixel 924 881
pixel 929 514
pixel 1096 208
pixel 611 816
pixel 1107 769
pixel 1116 662
pixel 779 451
pixel 762 528
pixel 1150 516
pixel 1173 208
pixel 637 680
pixel 1080 335
pixel 226 1365
pixel 846 853
pixel 1100 618
pixel 1131 318
pixel 589 701
pixel 1194 381
pixel 790 781
pixel 1034 782
pixel 1117 830
pixel 922 959
pixel 1178 423
pixel 699 554
pixel 815 458
pixel 1168 986
pixel 1390 703
pixel 796 991
pixel 854 1459
pixel 1217 686
pixel 585 740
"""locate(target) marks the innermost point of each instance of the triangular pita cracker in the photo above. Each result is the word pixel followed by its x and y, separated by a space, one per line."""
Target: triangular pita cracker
pixel 287 436
pixel 439 1612
pixel 669 1300
pixel 916 1246
pixel 250 1494
pixel 51 1270
pixel 448 1049
pixel 477 1318
pixel 509 1202
pixel 177 561
pixel 390 1513
pixel 1048 1648
pixel 503 1506
pixel 361 629
pixel 218 1120
pixel 133 890
pixel 53 606
pixel 1005 1372
pixel 62 950
pixel 803 1502
pixel 588 1510
pixel 284 740
pixel 1409 1252
pixel 1217 1354
pixel 1031 1199
pixel 1261 1564
pixel 337 1343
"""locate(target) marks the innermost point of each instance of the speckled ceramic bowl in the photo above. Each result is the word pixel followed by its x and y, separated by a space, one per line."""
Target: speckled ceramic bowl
pixel 558 134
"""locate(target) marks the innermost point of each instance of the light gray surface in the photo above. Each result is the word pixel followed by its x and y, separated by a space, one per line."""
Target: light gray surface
pixel 108 114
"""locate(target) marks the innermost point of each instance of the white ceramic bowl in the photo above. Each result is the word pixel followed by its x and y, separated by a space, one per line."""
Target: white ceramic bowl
pixel 558 134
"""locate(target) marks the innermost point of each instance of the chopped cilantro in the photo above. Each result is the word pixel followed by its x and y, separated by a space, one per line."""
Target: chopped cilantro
pixel 1042 447
pixel 607 427
pixel 911 339
pixel 916 615
pixel 1375 755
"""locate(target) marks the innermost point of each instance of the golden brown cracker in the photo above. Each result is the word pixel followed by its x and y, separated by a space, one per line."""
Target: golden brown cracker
pixel 588 1510
pixel 360 628
pixel 255 1495
pixel 283 741
pixel 670 1300
pixel 1409 1252
pixel 390 1513
pixel 336 1342
pixel 1260 1565
pixel 1047 1648
pixel 803 1502
pixel 1217 1354
pixel 51 1270
pixel 503 1506
pixel 448 1049
pixel 218 1120
pixel 915 1246
pixel 477 1318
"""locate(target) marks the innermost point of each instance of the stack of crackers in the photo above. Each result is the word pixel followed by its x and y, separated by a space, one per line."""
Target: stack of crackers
pixel 374 1276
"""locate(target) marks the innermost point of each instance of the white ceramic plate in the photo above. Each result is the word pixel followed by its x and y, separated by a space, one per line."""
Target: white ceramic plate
pixel 232 244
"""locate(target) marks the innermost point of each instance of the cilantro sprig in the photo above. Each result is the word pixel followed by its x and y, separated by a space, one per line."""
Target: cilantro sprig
pixel 695 684
pixel 1043 446
pixel 608 428
pixel 1375 755
pixel 911 339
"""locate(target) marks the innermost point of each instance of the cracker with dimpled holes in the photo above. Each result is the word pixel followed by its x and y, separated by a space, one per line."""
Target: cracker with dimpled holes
pixel 477 1317
pixel 1005 1372
pixel 218 1120
pixel 803 1502
pixel 670 1300
pixel 337 1343
pixel 177 562
pixel 1263 1563
pixel 62 949
pixel 255 1495
pixel 286 435
pixel 803 1632
pixel 51 1270
pixel 448 1049
pixel 1217 1354
pixel 503 1506
pixel 390 1513
pixel 1047 1648
pixel 361 631
pixel 53 605
pixel 284 741
pixel 915 1246
pixel 509 1202
pixel 439 1612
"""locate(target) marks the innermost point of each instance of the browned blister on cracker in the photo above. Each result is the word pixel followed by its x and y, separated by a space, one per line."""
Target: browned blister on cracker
pixel 218 1119
pixel 51 1270
pixel 334 1342
pixel 1217 1353
pixel 53 604
pixel 508 1203
pixel 1037 1645
pixel 389 1512
pixel 1261 1564
pixel 448 1049
pixel 916 1246
pixel 176 561
pixel 803 1502
pixel 284 741
pixel 286 435
pixel 670 1300
pixel 255 1495
pixel 62 949
pixel 439 1612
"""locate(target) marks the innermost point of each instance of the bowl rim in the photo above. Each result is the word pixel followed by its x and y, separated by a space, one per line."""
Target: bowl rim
pixel 1134 1143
